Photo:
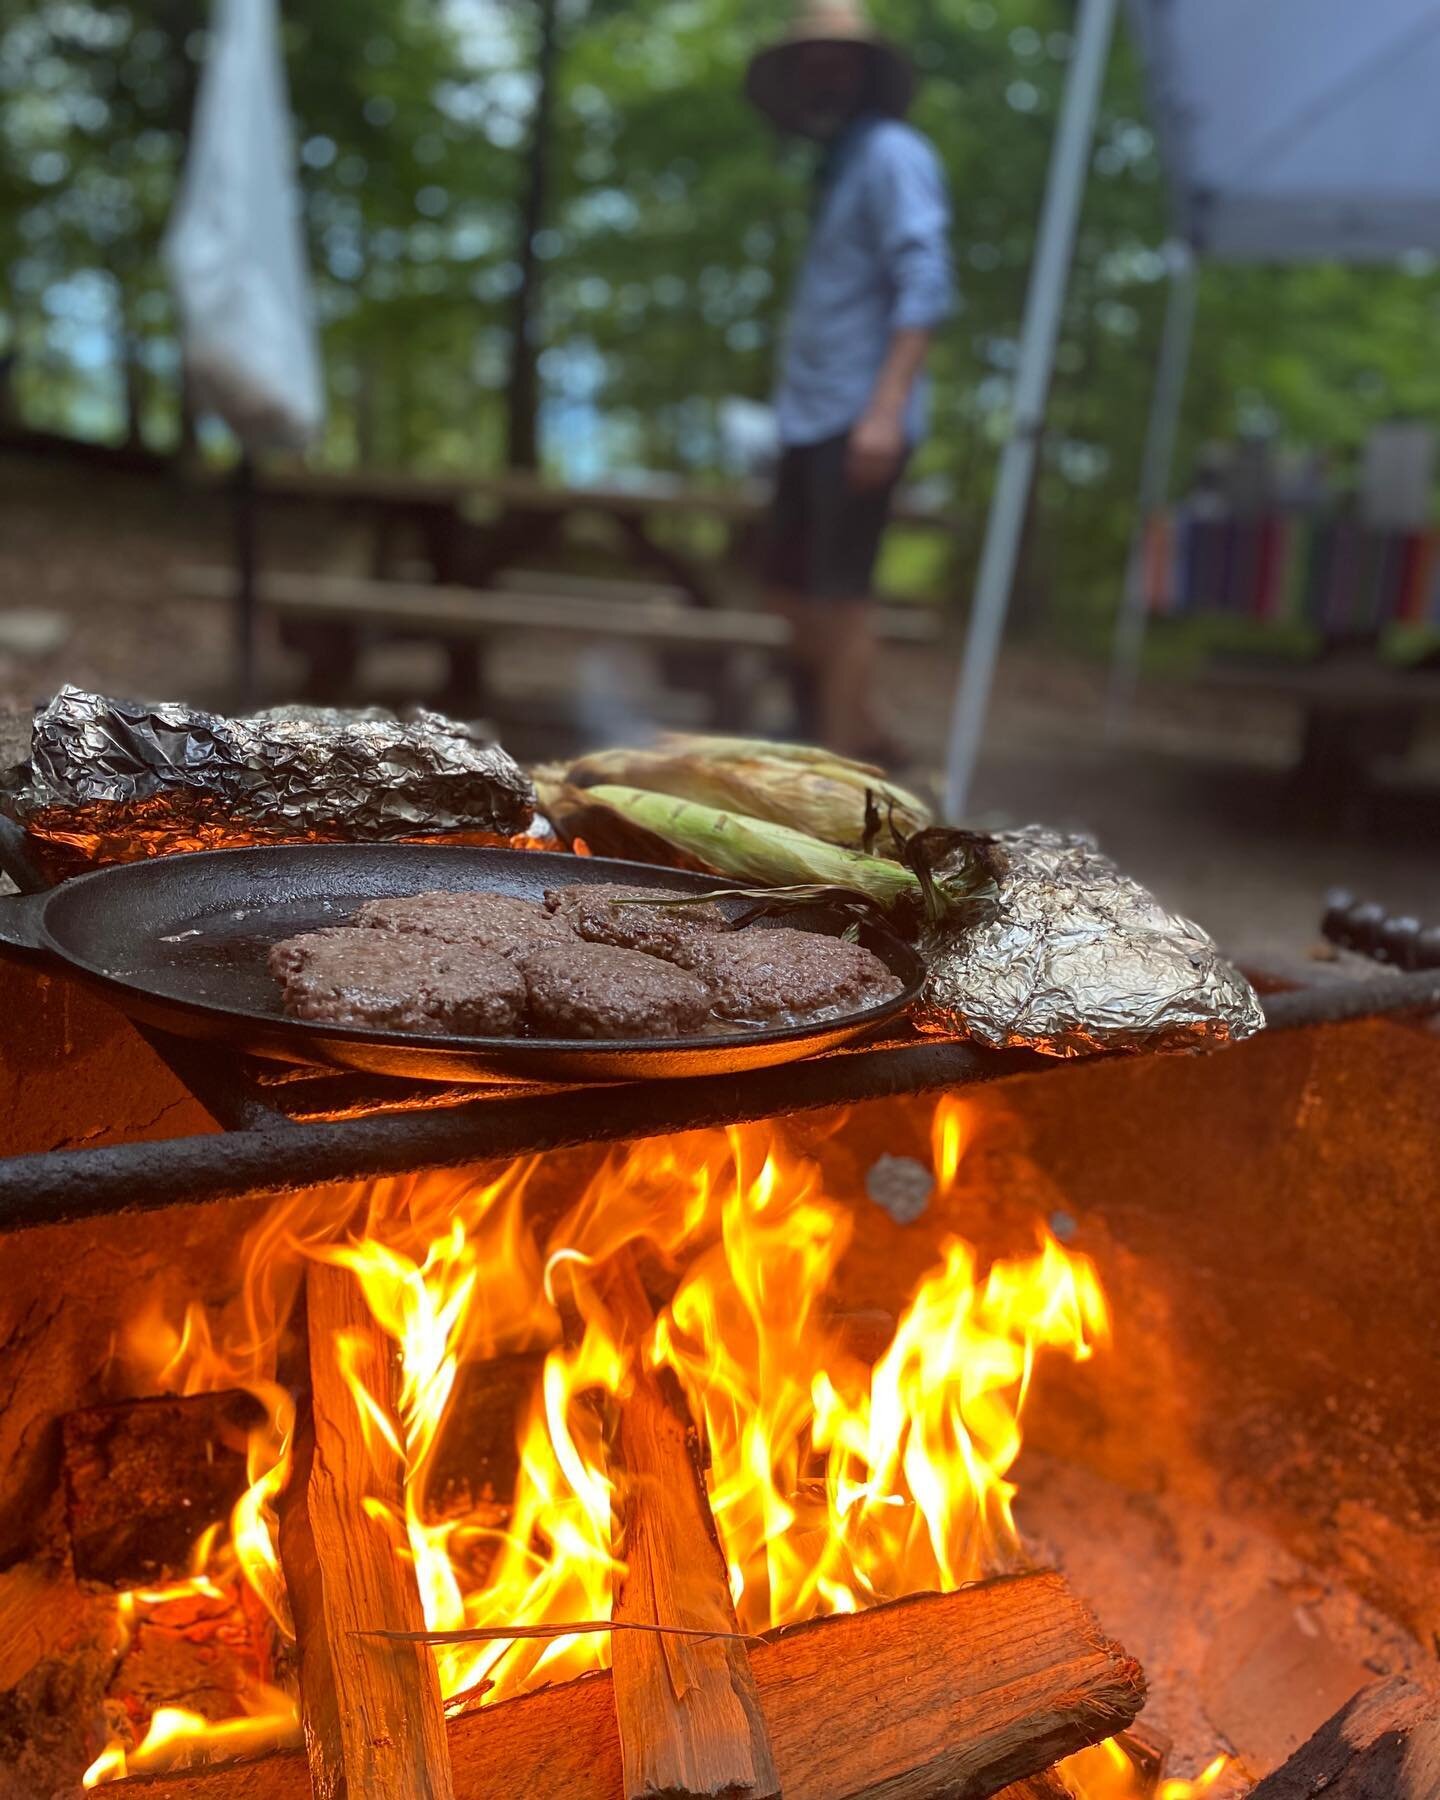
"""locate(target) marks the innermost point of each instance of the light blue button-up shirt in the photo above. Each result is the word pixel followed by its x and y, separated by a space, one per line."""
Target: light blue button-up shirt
pixel 878 262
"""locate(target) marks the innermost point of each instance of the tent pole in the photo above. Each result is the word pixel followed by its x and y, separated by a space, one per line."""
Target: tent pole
pixel 1049 278
pixel 247 559
pixel 1156 468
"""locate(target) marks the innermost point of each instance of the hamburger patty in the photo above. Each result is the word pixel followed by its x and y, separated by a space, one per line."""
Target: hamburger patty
pixel 400 980
pixel 598 913
pixel 782 977
pixel 499 922
pixel 603 991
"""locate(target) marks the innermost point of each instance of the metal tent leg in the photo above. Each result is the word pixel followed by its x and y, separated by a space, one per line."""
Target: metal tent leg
pixel 1156 469
pixel 1049 278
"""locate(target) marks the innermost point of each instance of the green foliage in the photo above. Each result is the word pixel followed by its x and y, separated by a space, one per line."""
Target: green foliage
pixel 674 226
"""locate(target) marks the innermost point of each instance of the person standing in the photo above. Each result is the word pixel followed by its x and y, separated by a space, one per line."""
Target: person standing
pixel 852 397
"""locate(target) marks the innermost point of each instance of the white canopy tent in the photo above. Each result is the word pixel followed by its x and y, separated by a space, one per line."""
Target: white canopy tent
pixel 1290 130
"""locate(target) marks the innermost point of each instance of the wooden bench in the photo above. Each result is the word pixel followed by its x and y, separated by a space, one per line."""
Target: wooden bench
pixel 330 617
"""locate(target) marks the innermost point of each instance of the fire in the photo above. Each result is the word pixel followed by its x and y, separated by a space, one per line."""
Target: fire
pixel 177 1735
pixel 1107 1773
pixel 835 1486
pixel 836 1480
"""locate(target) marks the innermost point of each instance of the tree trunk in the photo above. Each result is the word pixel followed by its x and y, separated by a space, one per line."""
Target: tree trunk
pixel 522 446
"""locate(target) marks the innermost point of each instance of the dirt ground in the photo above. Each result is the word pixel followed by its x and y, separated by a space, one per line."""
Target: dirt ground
pixel 1198 800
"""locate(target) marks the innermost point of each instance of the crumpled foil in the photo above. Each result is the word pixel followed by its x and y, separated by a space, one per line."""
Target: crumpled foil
pixel 116 780
pixel 1076 957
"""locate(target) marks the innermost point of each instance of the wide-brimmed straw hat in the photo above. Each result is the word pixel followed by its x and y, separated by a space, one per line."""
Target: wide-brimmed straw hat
pixel 770 84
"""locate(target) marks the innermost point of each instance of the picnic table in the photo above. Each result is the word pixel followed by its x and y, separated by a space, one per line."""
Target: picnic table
pixel 472 528
pixel 1352 708
pixel 475 537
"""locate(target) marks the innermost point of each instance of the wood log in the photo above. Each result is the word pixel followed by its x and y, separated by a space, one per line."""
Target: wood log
pixel 143 1479
pixel 689 1715
pixel 1048 1786
pixel 1149 1750
pixel 1385 1745
pixel 476 1457
pixel 41 1610
pixel 955 1695
pixel 374 1728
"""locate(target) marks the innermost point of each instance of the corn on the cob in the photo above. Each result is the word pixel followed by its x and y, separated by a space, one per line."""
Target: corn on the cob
pixel 806 789
pixel 759 850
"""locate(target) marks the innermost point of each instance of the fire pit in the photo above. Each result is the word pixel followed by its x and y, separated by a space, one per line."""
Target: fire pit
pixel 857 1378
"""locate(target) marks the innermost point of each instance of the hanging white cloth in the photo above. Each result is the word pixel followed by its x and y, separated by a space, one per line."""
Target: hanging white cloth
pixel 234 247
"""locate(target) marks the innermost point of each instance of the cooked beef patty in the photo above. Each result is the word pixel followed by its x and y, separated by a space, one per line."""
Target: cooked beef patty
pixel 597 911
pixel 400 980
pixel 499 922
pixel 782 977
pixel 602 991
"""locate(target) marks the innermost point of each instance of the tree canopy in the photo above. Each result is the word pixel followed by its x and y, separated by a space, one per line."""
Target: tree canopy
pixel 672 223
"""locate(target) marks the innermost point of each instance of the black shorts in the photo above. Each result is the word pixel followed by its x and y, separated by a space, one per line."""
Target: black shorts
pixel 824 535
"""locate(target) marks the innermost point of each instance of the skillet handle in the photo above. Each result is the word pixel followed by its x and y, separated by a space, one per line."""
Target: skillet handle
pixel 21 929
pixel 17 859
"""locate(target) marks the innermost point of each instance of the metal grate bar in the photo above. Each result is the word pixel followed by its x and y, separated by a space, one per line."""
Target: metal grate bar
pixel 282 1157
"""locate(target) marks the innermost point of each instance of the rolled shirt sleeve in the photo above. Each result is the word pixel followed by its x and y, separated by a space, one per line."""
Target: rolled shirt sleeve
pixel 912 212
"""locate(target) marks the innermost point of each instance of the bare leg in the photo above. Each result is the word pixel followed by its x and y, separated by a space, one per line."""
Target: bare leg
pixel 846 650
pixel 803 666
pixel 835 651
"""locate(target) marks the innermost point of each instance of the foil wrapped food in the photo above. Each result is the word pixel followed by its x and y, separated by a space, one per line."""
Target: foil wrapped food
pixel 1076 957
pixel 115 780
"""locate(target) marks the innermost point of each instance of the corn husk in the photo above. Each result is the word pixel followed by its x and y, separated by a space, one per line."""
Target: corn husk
pixel 758 852
pixel 588 823
pixel 845 803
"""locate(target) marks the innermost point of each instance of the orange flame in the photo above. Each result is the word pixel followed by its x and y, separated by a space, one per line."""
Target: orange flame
pixel 1106 1772
pixel 834 1484
pixel 177 1736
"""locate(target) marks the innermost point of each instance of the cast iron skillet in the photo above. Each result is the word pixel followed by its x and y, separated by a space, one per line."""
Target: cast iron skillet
pixel 180 942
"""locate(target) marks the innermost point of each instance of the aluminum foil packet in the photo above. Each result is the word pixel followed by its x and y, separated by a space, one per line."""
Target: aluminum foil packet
pixel 117 780
pixel 1076 957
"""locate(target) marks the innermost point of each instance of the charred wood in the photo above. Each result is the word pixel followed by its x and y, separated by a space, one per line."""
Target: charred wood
pixel 374 1729
pixel 1148 1749
pixel 1385 1745
pixel 143 1479
pixel 476 1457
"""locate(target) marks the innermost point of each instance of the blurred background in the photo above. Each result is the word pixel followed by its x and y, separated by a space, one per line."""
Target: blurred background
pixel 550 248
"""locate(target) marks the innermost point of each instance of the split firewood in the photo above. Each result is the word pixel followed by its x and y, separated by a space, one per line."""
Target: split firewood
pixel 956 1694
pixel 143 1478
pixel 476 1457
pixel 1149 1750
pixel 689 1716
pixel 1385 1745
pixel 1048 1786
pixel 41 1611
pixel 374 1728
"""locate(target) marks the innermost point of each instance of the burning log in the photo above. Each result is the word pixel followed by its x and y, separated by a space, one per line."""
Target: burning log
pixel 476 1455
pixel 689 1715
pixel 957 1694
pixel 1385 1745
pixel 374 1729
pixel 1048 1786
pixel 143 1478
pixel 1148 1749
